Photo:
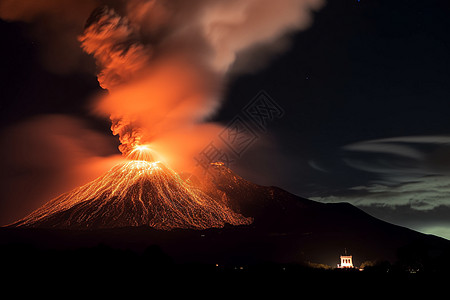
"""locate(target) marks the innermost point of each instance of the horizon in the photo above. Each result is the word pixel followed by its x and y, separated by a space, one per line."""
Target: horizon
pixel 343 101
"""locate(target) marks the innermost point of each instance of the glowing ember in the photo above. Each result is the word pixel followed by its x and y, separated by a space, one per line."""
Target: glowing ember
pixel 142 152
pixel 135 193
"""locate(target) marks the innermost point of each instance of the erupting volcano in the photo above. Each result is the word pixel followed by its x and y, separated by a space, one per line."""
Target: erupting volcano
pixel 137 192
pixel 164 65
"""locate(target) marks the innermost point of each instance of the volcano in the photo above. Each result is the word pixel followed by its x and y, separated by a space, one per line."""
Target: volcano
pixel 217 217
pixel 135 193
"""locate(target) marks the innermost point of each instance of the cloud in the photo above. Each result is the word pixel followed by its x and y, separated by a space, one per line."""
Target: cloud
pixel 407 157
pixel 46 156
pixel 408 180
pixel 424 193
pixel 411 170
pixel 439 230
pixel 385 147
pixel 165 64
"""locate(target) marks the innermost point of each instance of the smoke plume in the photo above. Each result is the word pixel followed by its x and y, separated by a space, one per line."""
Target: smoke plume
pixel 165 63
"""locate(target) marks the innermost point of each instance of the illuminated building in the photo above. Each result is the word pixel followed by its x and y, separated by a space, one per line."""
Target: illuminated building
pixel 346 262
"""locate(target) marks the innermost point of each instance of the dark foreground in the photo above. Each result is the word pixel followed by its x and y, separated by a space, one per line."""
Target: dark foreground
pixel 110 266
pixel 156 270
pixel 291 246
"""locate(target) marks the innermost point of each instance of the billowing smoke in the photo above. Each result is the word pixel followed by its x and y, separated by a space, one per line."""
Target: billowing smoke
pixel 165 63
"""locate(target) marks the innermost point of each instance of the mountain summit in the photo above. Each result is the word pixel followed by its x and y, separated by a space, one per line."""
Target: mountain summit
pixel 135 193
pixel 140 203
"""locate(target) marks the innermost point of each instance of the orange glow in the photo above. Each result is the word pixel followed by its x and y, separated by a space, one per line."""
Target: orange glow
pixel 141 152
pixel 135 193
pixel 169 98
pixel 165 67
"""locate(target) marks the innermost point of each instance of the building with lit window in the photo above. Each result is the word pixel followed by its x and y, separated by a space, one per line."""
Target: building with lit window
pixel 346 262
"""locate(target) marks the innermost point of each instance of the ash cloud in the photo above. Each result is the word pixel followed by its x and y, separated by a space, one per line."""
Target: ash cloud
pixel 166 63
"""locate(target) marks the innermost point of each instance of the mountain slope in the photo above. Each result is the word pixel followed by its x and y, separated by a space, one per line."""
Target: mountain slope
pixel 133 194
pixel 286 228
pixel 306 229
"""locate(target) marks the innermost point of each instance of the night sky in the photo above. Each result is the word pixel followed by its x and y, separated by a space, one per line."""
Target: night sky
pixel 365 92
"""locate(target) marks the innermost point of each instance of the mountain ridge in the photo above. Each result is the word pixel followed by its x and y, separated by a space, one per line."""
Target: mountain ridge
pixel 286 229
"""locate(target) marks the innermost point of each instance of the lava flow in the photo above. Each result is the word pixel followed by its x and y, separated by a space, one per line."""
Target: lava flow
pixel 135 193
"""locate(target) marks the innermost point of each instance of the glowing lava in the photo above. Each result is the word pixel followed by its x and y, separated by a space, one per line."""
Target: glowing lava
pixel 142 152
pixel 134 193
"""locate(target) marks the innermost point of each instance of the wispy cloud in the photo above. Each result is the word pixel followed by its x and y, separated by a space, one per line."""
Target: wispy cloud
pixel 423 194
pixel 407 174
